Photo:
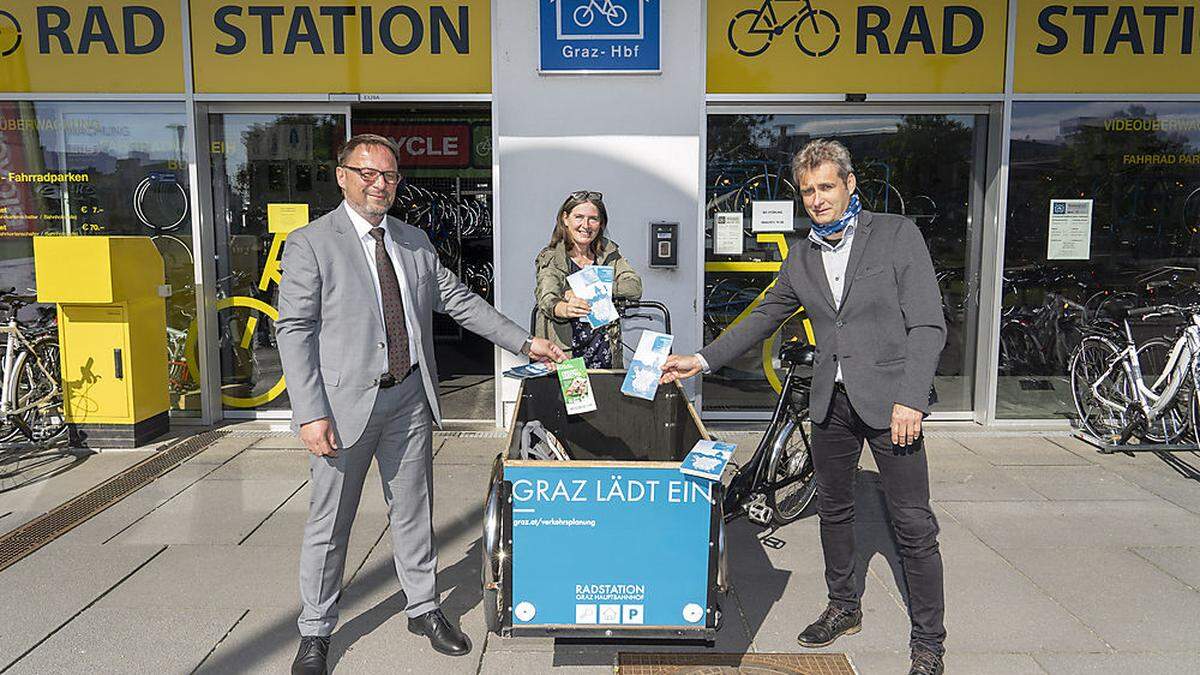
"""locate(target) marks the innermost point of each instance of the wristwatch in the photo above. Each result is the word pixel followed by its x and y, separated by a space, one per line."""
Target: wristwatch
pixel 528 344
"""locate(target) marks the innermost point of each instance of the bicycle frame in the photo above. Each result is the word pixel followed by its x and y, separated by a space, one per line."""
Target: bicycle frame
pixel 1154 399
pixel 11 367
pixel 752 478
pixel 774 27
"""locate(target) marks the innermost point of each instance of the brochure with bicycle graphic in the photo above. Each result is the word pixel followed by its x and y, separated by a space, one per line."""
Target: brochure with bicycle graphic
pixel 707 459
pixel 652 351
pixel 576 387
pixel 594 283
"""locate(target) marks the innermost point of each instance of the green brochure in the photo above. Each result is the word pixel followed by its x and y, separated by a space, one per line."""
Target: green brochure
pixel 576 387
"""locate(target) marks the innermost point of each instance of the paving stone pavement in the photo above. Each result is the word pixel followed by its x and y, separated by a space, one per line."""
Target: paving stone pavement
pixel 1058 560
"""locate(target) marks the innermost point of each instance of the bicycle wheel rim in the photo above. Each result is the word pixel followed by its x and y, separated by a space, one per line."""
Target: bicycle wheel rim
pixel 789 501
pixel 1172 424
pixel 1089 361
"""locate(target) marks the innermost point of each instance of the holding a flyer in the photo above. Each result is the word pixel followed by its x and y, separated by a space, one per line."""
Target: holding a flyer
pixel 579 275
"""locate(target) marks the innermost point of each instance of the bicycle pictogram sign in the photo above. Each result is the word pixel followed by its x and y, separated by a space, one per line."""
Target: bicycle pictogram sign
pixel 600 19
pixel 815 31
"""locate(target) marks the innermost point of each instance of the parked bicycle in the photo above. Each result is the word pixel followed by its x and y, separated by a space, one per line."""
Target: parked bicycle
pixel 1113 399
pixel 31 394
pixel 776 485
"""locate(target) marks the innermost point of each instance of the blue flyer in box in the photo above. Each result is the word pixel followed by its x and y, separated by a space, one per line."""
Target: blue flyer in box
pixel 642 378
pixel 707 459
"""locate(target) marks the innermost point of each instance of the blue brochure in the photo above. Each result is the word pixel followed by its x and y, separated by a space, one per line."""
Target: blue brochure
pixel 642 378
pixel 707 459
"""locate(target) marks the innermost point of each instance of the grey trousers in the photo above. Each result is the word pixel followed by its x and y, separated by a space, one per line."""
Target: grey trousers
pixel 399 435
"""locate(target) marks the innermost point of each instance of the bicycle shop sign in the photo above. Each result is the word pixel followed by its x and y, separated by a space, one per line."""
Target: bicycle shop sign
pixel 111 46
pixel 342 46
pixel 1113 47
pixel 597 36
pixel 882 46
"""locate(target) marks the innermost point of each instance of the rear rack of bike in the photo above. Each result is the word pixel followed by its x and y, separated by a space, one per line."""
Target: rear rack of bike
pixel 1111 446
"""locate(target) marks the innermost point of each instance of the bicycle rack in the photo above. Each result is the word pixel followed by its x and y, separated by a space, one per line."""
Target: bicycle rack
pixel 1109 448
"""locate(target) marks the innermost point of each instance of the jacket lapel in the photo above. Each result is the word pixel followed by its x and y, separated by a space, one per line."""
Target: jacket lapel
pixel 858 247
pixel 348 240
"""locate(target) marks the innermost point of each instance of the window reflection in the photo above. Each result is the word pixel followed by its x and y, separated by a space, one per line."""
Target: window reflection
pixel 1140 166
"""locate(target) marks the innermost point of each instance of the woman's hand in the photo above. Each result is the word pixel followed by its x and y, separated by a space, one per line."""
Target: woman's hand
pixel 572 307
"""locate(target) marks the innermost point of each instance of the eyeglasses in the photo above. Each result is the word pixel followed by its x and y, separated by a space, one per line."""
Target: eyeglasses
pixel 369 175
pixel 587 194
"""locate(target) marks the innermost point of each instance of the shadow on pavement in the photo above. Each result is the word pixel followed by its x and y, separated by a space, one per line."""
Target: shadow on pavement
pixel 22 465
pixel 461 578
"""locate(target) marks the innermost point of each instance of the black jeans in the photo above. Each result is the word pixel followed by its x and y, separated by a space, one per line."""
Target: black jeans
pixel 837 446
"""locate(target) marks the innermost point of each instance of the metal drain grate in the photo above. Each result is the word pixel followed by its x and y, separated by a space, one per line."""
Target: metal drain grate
pixel 699 663
pixel 44 529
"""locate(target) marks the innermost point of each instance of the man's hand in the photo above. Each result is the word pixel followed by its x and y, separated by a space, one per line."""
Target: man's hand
pixel 906 425
pixel 318 437
pixel 680 368
pixel 541 349
pixel 572 306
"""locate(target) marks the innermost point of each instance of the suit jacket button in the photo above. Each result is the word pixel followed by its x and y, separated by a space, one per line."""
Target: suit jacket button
pixel 840 323
pixel 382 345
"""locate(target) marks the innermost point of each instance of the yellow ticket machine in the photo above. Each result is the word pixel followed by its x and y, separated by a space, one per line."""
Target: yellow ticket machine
pixel 112 333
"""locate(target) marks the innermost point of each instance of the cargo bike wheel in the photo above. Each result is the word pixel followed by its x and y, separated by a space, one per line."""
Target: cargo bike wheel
pixel 495 553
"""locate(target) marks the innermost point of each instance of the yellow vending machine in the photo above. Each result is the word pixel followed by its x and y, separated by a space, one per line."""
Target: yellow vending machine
pixel 112 333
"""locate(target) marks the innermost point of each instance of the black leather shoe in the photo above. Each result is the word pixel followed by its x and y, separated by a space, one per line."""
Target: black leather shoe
pixel 310 660
pixel 833 623
pixel 925 662
pixel 443 637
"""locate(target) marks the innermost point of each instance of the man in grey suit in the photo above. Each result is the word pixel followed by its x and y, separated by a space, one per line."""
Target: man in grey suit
pixel 355 313
pixel 867 284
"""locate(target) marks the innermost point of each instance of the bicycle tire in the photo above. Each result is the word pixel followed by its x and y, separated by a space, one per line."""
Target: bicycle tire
pixel 1172 425
pixel 811 20
pixel 753 15
pixel 51 420
pixel 1091 358
pixel 791 456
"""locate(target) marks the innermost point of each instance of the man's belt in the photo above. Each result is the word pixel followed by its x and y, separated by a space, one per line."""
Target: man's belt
pixel 387 380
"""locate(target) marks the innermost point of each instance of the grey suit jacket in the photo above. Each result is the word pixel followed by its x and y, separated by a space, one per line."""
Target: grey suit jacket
pixel 888 333
pixel 330 332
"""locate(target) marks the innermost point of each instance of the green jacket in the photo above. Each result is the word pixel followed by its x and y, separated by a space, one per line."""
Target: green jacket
pixel 552 270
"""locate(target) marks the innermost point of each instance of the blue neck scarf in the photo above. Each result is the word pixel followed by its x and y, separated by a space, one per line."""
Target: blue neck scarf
pixel 840 224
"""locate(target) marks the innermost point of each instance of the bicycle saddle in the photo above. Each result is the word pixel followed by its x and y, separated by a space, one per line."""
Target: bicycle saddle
pixel 797 353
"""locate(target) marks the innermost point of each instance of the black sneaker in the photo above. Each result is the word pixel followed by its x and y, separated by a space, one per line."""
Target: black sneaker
pixel 310 660
pixel 833 623
pixel 925 662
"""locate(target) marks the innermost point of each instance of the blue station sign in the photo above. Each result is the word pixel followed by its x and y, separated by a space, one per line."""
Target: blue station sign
pixel 589 36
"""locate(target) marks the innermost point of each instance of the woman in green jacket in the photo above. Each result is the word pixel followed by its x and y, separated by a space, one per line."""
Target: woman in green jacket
pixel 578 241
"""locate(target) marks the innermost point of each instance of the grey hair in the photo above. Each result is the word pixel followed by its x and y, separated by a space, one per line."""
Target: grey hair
pixel 818 152
pixel 367 139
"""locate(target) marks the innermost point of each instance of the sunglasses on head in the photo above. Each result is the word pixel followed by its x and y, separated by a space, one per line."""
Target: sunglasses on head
pixel 587 194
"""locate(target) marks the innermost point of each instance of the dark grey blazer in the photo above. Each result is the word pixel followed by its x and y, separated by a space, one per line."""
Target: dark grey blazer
pixel 888 334
pixel 331 337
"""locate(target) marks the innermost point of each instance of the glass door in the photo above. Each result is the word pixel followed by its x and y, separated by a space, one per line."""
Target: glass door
pixel 926 165
pixel 271 171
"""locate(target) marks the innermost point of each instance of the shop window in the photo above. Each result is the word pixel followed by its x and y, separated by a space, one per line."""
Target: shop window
pixel 1103 213
pixel 96 168
pixel 926 167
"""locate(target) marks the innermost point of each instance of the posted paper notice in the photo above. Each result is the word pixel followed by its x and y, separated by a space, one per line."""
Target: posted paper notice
pixel 773 216
pixel 1070 236
pixel 727 234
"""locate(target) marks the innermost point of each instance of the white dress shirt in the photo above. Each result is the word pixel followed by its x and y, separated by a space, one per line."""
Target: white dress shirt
pixel 363 228
pixel 835 256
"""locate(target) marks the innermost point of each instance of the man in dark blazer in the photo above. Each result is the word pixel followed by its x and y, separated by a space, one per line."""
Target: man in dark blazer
pixel 355 335
pixel 868 286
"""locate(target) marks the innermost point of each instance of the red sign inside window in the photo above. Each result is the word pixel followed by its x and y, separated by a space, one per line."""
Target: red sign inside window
pixel 425 145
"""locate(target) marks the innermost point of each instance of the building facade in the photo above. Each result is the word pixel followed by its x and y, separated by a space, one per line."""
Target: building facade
pixel 1050 153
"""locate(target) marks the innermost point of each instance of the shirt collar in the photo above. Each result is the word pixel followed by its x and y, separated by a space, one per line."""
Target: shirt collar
pixel 833 246
pixel 361 226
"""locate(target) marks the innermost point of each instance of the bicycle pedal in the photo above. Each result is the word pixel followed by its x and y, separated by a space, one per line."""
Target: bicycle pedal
pixel 758 512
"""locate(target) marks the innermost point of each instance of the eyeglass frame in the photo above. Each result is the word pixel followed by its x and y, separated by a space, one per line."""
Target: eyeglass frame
pixel 361 169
